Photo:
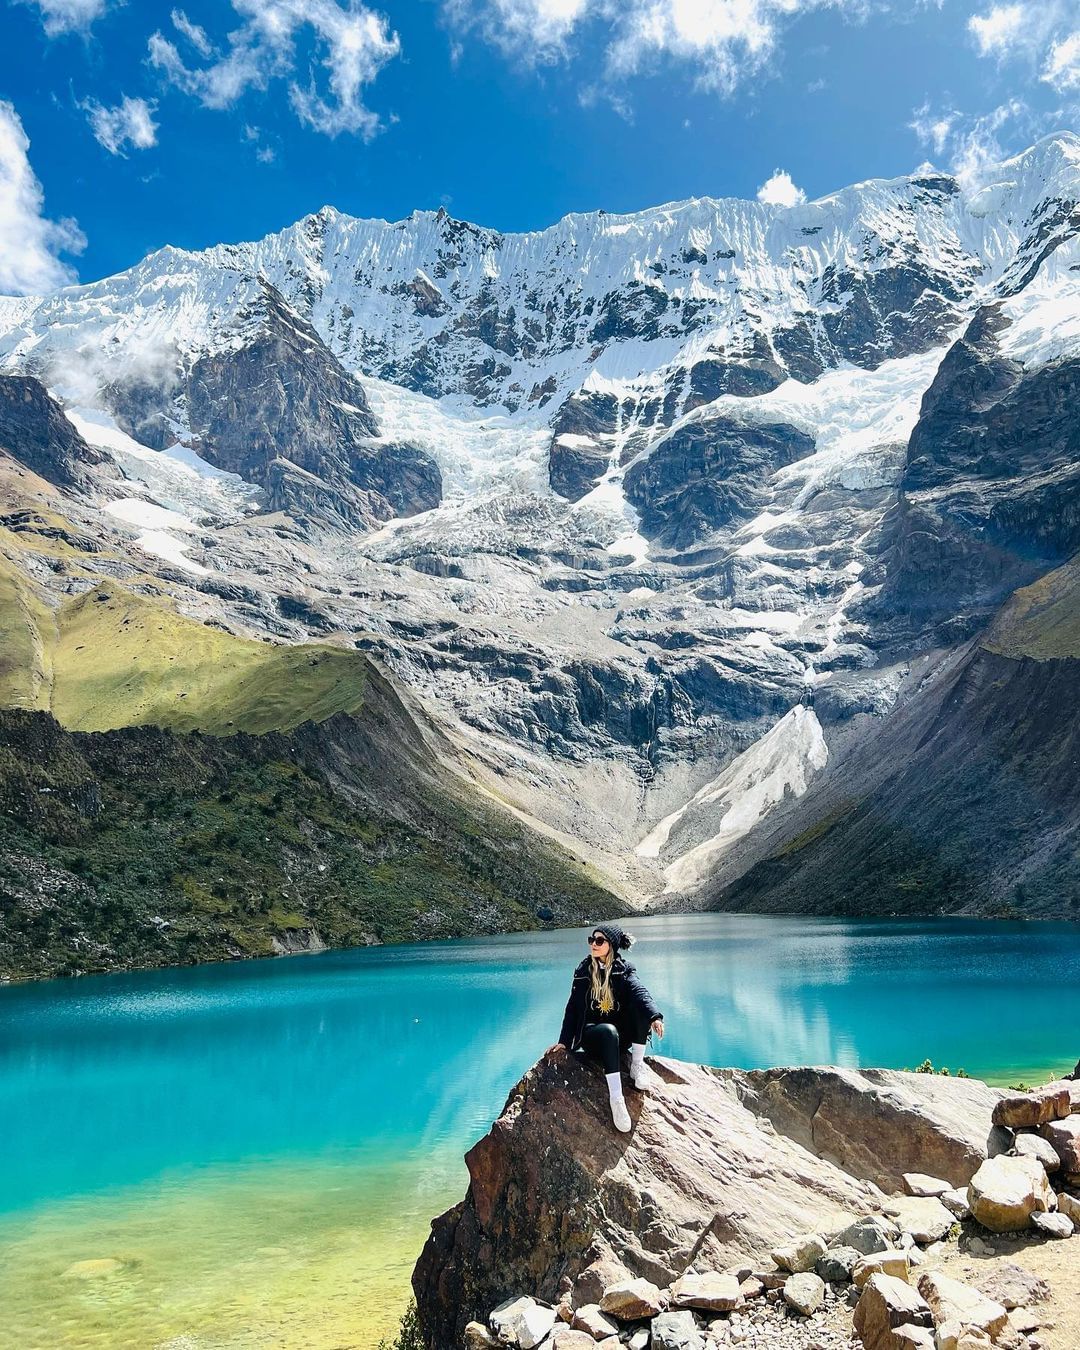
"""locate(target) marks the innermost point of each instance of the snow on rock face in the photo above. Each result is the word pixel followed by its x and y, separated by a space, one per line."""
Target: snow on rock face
pixel 783 761
pixel 671 449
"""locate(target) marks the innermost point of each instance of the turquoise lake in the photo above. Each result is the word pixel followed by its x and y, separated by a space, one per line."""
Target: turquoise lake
pixel 249 1154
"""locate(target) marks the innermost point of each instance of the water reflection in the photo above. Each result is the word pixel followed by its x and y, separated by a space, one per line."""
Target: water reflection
pixel 410 1051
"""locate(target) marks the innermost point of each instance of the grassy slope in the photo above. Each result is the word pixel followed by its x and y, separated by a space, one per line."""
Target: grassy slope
pixel 307 799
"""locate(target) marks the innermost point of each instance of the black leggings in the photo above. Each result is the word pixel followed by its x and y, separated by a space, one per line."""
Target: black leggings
pixel 600 1040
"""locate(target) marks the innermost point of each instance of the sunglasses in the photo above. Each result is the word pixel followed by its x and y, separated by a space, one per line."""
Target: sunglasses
pixel 597 940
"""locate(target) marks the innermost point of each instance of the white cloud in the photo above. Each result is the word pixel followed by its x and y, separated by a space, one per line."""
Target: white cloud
pixel 725 41
pixel 131 122
pixel 354 43
pixel 68 16
pixel 779 190
pixel 29 243
pixel 999 31
pixel 1062 69
pixel 973 142
pixel 194 33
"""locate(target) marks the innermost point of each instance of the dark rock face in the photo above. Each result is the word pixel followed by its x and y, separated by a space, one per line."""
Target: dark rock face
pixel 990 497
pixel 744 375
pixel 34 430
pixel 709 474
pixel 282 412
pixel 962 802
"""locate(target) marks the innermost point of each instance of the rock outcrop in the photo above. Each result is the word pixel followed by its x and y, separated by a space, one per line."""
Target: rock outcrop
pixel 35 431
pixel 559 1205
pixel 571 1235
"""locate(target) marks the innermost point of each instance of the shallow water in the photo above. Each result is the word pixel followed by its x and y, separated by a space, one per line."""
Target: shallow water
pixel 260 1147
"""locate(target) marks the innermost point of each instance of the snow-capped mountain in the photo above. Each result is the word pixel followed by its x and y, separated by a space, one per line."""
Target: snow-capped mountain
pixel 658 511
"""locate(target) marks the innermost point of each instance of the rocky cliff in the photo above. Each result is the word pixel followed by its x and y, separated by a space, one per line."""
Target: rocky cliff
pixel 667 517
pixel 745 1207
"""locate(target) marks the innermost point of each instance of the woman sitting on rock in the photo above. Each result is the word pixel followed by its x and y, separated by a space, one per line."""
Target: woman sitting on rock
pixel 609 1009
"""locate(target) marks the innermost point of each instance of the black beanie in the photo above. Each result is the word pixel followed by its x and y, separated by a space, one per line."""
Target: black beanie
pixel 615 935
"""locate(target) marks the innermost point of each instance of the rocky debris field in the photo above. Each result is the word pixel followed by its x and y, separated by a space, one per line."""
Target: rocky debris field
pixel 949 1262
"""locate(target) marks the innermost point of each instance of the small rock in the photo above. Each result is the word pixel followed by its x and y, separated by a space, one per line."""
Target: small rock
pixel 956 1202
pixel 800 1254
pixel 1006 1191
pixel 1035 1146
pixel 676 1331
pixel 918 1183
pixel 477 1337
pixel 977 1247
pixel 953 1301
pixel 925 1218
pixel 567 1338
pixel 1024 1320
pixel 885 1304
pixel 592 1320
pixel 1032 1108
pixel 710 1291
pixel 1053 1225
pixel 895 1263
pixel 867 1235
pixel 1014 1287
pixel 909 1337
pixel 837 1263
pixel 804 1292
pixel 521 1322
pixel 751 1288
pixel 632 1299
pixel 1069 1206
pixel 639 1339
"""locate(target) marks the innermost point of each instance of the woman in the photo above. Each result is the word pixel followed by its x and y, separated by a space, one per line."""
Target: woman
pixel 609 1009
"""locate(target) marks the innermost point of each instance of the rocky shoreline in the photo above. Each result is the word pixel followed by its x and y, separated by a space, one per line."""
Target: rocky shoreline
pixel 784 1209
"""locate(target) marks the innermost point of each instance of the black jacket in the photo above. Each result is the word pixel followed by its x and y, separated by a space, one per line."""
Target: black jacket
pixel 631 997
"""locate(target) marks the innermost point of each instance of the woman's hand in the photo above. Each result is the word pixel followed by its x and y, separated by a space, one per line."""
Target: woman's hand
pixel 658 1028
pixel 557 1046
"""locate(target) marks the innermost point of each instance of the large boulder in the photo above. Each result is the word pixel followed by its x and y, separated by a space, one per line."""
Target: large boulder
pixel 1031 1109
pixel 1006 1191
pixel 878 1123
pixel 557 1199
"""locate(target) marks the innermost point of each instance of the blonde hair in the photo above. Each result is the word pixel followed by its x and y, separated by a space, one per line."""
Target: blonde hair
pixel 602 993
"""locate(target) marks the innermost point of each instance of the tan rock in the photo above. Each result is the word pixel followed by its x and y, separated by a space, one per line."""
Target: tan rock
pixel 632 1299
pixel 751 1288
pixel 1027 1109
pixel 1064 1137
pixel 910 1337
pixel 1035 1146
pixel 879 1123
pixel 956 1202
pixel 1006 1191
pixel 895 1263
pixel 1069 1205
pixel 477 1337
pixel 952 1301
pixel 804 1292
pixel 1053 1225
pixel 567 1338
pixel 711 1292
pixel 924 1217
pixel 609 1343
pixel 93 1269
pixel 885 1304
pixel 918 1183
pixel 592 1320
pixel 1014 1287
pixel 800 1253
pixel 1024 1320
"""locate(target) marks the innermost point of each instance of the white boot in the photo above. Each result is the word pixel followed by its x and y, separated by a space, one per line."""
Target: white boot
pixel 619 1114
pixel 639 1074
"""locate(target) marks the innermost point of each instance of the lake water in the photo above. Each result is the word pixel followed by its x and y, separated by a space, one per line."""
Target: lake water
pixel 259 1147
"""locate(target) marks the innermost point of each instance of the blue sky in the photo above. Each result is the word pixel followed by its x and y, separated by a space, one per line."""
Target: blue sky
pixel 124 126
